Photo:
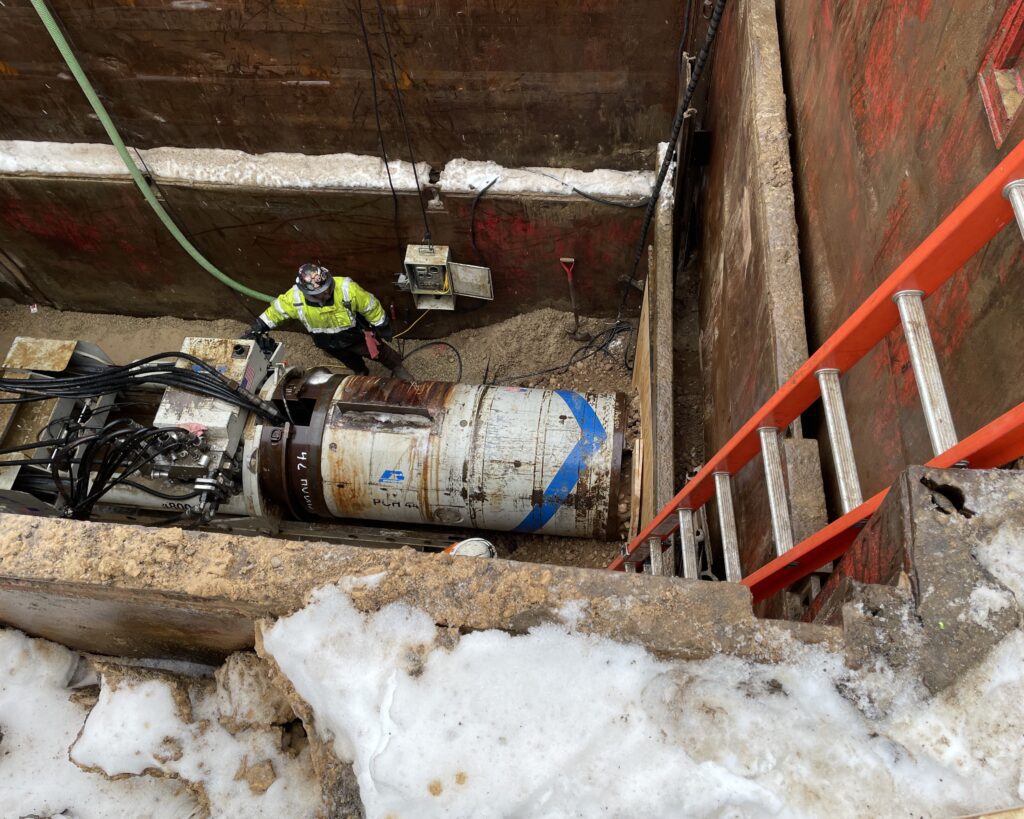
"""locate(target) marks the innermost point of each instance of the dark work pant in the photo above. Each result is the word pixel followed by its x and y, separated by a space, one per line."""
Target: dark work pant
pixel 350 349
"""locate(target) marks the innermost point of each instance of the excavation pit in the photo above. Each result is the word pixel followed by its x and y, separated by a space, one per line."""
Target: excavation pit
pixel 531 350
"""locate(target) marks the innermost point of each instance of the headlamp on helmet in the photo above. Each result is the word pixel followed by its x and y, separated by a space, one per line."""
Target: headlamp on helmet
pixel 314 279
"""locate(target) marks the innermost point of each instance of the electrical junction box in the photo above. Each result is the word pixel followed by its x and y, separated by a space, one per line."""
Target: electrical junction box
pixel 435 280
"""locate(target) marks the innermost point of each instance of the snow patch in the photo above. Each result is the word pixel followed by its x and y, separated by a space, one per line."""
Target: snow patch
pixel 984 601
pixel 130 730
pixel 344 171
pixel 138 726
pixel 1003 556
pixel 573 612
pixel 211 166
pixel 468 176
pixel 38 724
pixel 560 724
pixel 366 581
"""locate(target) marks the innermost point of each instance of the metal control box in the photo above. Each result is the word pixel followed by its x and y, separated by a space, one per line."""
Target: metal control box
pixel 435 280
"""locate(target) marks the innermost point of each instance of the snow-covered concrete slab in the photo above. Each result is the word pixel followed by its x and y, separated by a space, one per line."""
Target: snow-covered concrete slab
pixel 558 723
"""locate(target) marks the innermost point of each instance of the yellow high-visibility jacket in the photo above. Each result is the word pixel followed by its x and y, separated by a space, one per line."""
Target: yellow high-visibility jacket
pixel 349 299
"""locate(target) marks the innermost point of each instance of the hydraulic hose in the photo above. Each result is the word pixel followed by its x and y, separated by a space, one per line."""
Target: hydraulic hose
pixel 53 29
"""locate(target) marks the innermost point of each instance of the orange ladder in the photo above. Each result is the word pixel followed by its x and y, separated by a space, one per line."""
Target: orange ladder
pixel 899 300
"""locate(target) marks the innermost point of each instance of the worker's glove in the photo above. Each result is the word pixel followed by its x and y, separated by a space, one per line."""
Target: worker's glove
pixel 257 330
pixel 384 331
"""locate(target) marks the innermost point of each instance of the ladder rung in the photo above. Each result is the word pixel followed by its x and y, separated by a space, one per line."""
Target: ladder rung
pixel 727 521
pixel 657 556
pixel 850 496
pixel 926 370
pixel 669 557
pixel 778 501
pixel 688 544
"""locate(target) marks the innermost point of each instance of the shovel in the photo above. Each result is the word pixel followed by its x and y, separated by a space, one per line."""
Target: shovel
pixel 568 264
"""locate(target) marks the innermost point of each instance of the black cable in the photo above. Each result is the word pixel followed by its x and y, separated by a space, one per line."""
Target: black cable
pixel 458 358
pixel 27 462
pixel 643 203
pixel 23 447
pixel 405 125
pixel 380 131
pixel 670 151
pixel 103 380
pixel 127 448
pixel 472 218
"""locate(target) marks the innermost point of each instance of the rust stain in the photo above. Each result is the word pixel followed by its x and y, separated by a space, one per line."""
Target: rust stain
pixel 347 479
pixel 422 455
pixel 359 389
pixel 7 70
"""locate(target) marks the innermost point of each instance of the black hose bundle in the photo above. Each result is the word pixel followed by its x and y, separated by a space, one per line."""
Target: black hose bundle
pixel 200 378
pixel 109 456
pixel 87 461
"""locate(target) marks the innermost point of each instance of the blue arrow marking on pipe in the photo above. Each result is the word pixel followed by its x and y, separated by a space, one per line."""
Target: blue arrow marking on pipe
pixel 592 438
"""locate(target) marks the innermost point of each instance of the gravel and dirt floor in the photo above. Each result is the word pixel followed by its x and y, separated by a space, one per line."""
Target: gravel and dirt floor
pixel 531 349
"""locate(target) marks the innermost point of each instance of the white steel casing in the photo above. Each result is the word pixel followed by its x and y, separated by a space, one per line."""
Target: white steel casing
pixel 501 458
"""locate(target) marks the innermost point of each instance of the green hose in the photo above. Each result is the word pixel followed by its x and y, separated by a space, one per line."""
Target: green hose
pixel 69 57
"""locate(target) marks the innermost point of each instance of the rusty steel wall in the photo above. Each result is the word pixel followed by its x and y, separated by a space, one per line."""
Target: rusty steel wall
pixel 589 84
pixel 94 245
pixel 582 85
pixel 889 134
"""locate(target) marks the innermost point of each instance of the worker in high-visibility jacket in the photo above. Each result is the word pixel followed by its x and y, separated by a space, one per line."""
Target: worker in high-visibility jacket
pixel 344 319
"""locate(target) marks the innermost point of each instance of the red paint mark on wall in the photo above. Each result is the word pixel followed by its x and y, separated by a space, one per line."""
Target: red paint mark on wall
pixel 959 142
pixel 58 227
pixel 826 15
pixel 882 97
pixel 877 104
pixel 951 314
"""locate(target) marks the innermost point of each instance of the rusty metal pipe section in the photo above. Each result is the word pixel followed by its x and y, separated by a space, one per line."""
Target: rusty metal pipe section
pixel 484 457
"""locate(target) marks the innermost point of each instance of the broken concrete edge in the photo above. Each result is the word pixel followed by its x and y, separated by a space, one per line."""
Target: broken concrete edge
pixel 339 784
pixel 913 572
pixel 134 591
pixel 241 670
pixel 661 285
